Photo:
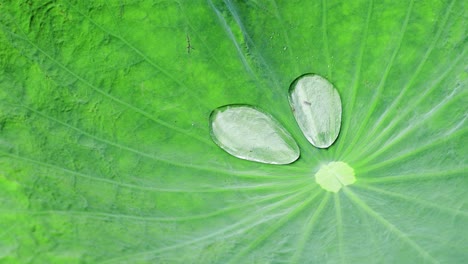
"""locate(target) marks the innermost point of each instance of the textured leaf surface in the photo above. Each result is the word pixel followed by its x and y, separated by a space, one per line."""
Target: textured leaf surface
pixel 105 149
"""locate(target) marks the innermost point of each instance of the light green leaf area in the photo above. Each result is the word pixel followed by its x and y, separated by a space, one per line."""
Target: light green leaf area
pixel 106 154
pixel 334 176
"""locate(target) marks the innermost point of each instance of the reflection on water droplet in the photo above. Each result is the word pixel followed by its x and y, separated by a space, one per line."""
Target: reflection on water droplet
pixel 334 175
pixel 248 133
pixel 317 108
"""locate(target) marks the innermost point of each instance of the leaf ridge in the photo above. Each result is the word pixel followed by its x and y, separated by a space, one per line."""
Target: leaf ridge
pixel 144 154
pixel 281 222
pixel 230 228
pixel 357 76
pixel 421 65
pixel 339 226
pixel 375 141
pixel 308 228
pixel 454 212
pixel 224 25
pixel 430 175
pixel 383 80
pixel 405 133
pixel 392 228
pixel 138 51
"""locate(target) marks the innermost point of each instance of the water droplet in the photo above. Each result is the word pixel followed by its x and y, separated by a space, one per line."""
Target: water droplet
pixel 334 175
pixel 317 108
pixel 248 133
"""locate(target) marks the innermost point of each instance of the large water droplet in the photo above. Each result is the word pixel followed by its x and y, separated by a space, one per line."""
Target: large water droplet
pixel 317 107
pixel 247 133
pixel 334 175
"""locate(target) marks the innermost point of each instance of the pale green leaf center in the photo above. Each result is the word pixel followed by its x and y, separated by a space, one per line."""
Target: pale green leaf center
pixel 334 175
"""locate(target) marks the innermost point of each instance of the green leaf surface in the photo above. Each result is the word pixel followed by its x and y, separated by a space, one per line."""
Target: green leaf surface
pixel 105 148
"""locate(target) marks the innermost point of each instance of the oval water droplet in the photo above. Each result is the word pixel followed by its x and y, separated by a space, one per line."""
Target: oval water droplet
pixel 248 133
pixel 317 107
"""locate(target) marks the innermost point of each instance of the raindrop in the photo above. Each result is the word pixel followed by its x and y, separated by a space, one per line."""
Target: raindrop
pixel 317 108
pixel 248 133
